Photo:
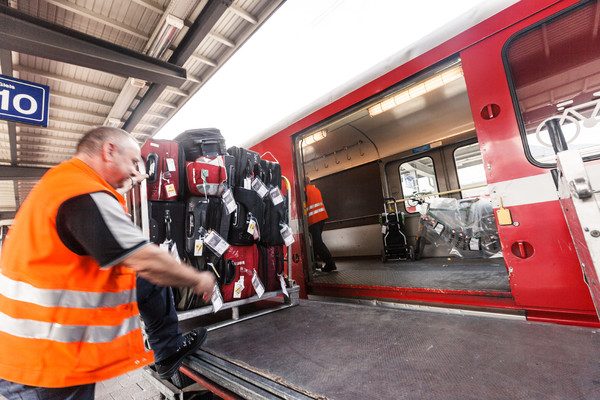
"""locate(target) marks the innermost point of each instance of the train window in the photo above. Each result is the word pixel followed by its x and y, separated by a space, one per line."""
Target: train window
pixel 470 171
pixel 554 70
pixel 418 179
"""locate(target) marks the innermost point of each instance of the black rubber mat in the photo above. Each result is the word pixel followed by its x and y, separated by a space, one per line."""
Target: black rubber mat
pixel 431 273
pixel 348 352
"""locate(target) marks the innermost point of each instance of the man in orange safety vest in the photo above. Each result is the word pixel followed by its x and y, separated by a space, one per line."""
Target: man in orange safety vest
pixel 316 215
pixel 69 313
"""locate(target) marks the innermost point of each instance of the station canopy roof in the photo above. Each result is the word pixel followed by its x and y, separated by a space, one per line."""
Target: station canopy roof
pixel 126 63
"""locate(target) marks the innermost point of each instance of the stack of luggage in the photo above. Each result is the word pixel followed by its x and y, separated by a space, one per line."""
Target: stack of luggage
pixel 217 209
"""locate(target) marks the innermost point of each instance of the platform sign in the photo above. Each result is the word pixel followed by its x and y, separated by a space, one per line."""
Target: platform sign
pixel 23 101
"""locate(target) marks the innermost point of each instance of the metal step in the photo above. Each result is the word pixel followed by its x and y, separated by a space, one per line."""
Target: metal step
pixel 241 381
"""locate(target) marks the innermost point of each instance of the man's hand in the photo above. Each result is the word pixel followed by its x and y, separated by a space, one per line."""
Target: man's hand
pixel 205 285
pixel 131 182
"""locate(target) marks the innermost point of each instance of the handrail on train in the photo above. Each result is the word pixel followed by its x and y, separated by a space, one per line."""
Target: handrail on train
pixel 288 188
pixel 434 194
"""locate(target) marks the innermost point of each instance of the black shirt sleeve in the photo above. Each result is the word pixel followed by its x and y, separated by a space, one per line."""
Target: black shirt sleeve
pixel 95 224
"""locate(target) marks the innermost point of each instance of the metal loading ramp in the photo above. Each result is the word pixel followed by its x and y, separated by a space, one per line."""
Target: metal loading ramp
pixel 344 351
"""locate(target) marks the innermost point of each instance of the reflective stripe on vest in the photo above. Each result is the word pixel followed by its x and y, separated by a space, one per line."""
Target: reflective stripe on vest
pixel 27 328
pixel 318 210
pixel 25 292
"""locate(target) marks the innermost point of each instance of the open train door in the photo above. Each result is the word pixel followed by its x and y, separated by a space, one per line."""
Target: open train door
pixel 579 195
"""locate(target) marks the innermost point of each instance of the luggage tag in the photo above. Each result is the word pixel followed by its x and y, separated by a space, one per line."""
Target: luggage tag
pixel 217 299
pixel 169 187
pixel 216 243
pixel 204 174
pixel 199 243
pixel 287 235
pixel 259 187
pixel 383 229
pixel 276 196
pixel 238 288
pixel 247 183
pixel 171 165
pixel 229 201
pixel 283 287
pixel 258 286
pixel 474 244
pixel 175 253
pixel 253 228
pixel 438 228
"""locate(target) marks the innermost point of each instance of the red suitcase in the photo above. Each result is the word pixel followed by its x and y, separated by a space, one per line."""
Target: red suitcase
pixel 164 161
pixel 245 259
pixel 206 176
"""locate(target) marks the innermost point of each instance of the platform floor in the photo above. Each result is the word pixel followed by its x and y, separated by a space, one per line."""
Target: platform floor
pixel 347 352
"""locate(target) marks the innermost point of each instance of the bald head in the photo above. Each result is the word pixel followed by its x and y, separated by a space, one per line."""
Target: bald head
pixel 91 143
pixel 111 152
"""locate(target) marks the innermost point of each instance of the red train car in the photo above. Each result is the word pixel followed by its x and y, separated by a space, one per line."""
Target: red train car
pixel 457 130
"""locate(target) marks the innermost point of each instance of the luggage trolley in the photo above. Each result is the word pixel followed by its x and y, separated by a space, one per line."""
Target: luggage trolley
pixel 395 245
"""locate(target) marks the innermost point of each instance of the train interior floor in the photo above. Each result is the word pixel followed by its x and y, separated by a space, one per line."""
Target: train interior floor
pixel 473 274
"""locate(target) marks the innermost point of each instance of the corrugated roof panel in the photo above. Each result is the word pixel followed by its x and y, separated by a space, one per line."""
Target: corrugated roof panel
pixel 7 196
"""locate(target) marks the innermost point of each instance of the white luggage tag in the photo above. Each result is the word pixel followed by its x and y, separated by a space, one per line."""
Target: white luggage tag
pixel 175 253
pixel 259 187
pixel 438 228
pixel 171 165
pixel 474 244
pixel 217 299
pixel 258 286
pixel 199 243
pixel 276 196
pixel 229 201
pixel 216 243
pixel 287 235
pixel 247 183
pixel 253 228
pixel 238 288
pixel 283 287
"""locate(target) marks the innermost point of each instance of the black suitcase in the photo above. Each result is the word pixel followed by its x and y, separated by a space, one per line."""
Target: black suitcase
pixel 270 266
pixel 208 213
pixel 248 205
pixel 207 142
pixel 167 221
pixel 274 215
pixel 247 164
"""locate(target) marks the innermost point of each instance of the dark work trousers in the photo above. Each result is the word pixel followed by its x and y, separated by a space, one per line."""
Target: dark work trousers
pixel 157 309
pixel 320 249
pixel 17 391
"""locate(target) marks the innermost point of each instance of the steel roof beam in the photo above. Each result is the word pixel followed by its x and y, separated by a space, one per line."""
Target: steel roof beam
pixel 23 33
pixel 7 172
pixel 195 35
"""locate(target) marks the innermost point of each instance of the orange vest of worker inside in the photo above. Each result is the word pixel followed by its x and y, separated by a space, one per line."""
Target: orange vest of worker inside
pixel 64 321
pixel 315 209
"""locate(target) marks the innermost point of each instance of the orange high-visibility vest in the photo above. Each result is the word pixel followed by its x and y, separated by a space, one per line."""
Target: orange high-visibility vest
pixel 64 321
pixel 315 209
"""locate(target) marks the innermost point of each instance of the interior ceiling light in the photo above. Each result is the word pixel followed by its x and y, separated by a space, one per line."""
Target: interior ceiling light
pixel 417 90
pixel 315 137
pixel 169 30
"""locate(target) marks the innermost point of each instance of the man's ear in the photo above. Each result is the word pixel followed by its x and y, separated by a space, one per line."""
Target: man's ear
pixel 108 151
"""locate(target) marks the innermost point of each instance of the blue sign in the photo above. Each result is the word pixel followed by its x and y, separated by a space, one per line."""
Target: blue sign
pixel 23 101
pixel 420 149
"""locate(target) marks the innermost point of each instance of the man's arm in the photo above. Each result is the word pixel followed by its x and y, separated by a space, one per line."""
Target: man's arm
pixel 95 224
pixel 159 267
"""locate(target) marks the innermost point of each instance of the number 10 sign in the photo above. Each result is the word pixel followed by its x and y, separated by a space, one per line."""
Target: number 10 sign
pixel 23 101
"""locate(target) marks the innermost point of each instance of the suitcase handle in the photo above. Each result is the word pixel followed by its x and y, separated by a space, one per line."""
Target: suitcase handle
pixel 152 167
